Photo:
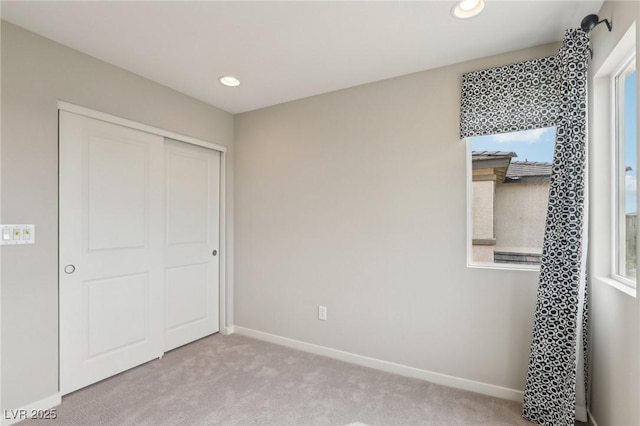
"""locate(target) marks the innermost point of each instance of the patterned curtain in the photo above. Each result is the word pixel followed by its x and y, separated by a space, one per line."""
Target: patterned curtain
pixel 550 392
pixel 534 94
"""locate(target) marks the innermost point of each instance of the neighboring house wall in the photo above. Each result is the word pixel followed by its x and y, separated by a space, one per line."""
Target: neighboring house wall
pixel 356 200
pixel 615 316
pixel 36 73
pixel 483 220
pixel 521 210
pixel 509 205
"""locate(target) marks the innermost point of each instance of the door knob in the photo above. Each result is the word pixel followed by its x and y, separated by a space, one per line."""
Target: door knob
pixel 215 252
pixel 69 269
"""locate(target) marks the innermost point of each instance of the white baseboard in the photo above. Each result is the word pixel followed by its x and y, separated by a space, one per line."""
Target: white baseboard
pixel 390 367
pixel 227 330
pixel 581 413
pixel 591 421
pixel 35 409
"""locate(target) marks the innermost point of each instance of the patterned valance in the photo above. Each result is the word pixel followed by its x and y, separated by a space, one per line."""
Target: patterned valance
pixel 511 98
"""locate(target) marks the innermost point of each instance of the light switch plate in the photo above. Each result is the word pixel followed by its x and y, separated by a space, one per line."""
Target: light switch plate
pixel 17 234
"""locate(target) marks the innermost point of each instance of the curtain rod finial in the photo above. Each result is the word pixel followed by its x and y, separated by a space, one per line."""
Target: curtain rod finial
pixel 591 21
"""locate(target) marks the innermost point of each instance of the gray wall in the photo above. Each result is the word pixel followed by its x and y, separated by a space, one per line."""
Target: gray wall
pixel 36 73
pixel 353 199
pixel 356 200
pixel 615 316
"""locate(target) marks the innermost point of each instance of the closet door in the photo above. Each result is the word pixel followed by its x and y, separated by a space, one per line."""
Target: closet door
pixel 111 249
pixel 192 238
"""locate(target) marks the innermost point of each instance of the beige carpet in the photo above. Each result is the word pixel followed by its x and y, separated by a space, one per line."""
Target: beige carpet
pixel 234 380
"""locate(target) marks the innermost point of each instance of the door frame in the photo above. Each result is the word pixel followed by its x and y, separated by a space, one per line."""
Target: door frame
pixel 225 326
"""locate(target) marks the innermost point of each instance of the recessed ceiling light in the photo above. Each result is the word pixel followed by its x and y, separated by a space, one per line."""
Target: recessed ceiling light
pixel 230 81
pixel 467 8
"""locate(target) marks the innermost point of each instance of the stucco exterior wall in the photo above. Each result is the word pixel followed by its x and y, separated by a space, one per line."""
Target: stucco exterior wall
pixel 520 211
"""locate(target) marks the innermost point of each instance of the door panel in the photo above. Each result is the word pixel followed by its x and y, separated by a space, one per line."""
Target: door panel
pixel 188 292
pixel 193 212
pixel 112 232
pixel 108 332
pixel 187 196
pixel 116 201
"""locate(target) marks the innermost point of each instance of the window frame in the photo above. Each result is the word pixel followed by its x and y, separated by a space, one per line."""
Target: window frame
pixel 602 156
pixel 623 67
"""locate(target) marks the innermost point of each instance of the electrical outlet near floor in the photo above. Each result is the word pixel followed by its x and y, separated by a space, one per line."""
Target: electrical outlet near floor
pixel 322 313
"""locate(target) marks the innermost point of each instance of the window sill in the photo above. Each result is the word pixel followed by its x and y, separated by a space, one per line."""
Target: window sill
pixel 505 266
pixel 617 285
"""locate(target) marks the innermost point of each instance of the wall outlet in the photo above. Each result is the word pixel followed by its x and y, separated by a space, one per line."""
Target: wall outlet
pixel 322 313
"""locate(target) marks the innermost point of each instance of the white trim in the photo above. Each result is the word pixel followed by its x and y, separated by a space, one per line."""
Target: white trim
pixel 581 413
pixel 228 330
pixel 591 421
pixel 624 281
pixel 389 367
pixel 44 404
pixel 605 106
pixel 618 167
pixel 507 266
pixel 613 180
pixel 626 44
pixel 222 249
pixel 98 115
pixel 617 285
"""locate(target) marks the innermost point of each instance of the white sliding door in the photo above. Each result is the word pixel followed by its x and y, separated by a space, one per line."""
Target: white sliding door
pixel 111 239
pixel 139 242
pixel 192 235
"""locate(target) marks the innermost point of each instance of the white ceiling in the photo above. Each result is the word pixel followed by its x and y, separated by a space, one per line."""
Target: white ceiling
pixel 283 51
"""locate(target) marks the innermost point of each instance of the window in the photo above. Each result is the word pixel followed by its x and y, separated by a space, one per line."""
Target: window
pixel 625 204
pixel 614 168
pixel 509 181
